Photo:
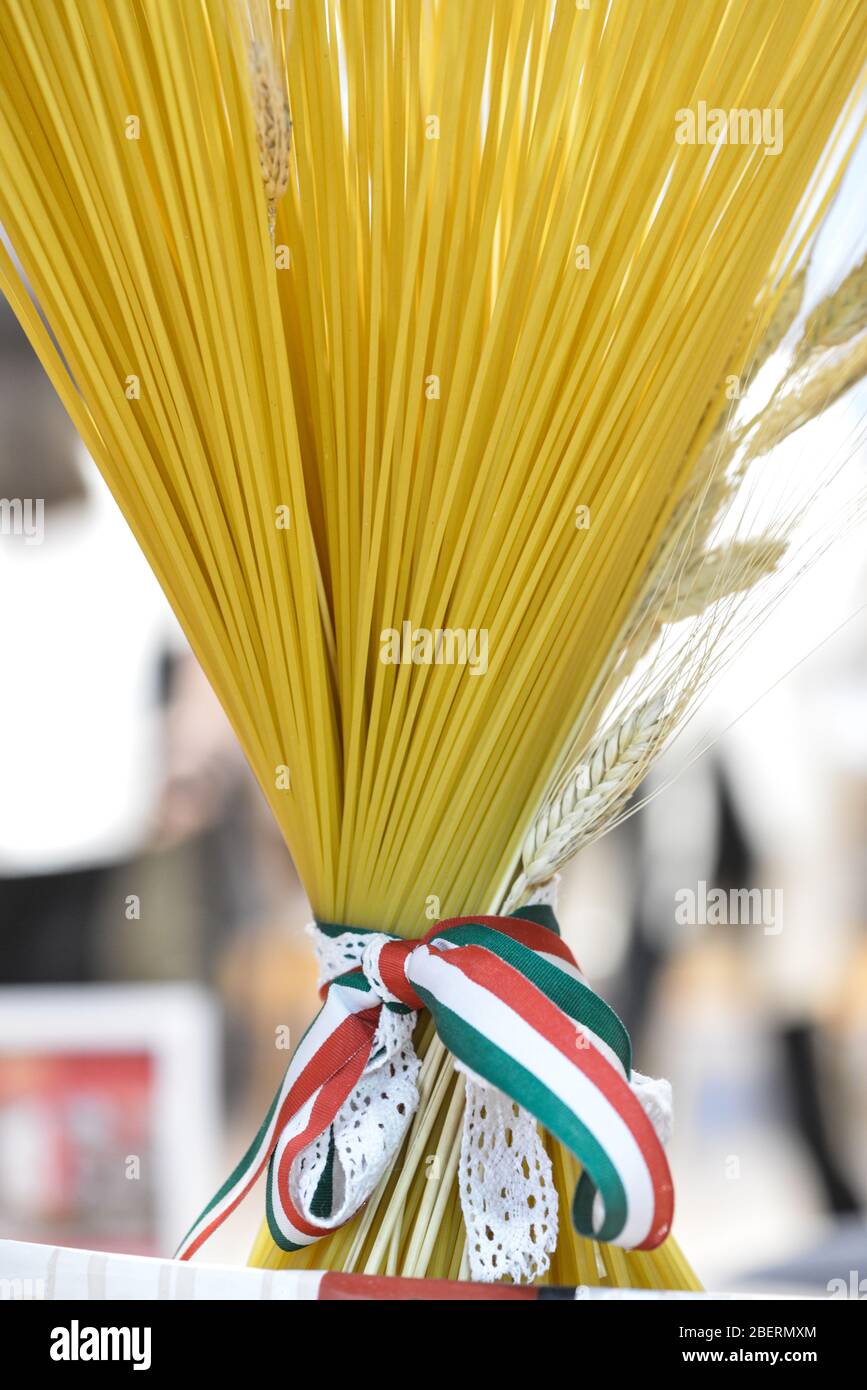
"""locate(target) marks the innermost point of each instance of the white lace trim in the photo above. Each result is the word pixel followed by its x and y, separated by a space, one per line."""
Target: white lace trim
pixel 336 954
pixel 657 1102
pixel 507 1190
pixel 370 966
pixel 368 1131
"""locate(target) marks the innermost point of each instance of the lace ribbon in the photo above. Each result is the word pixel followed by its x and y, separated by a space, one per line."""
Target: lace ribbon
pixel 511 1006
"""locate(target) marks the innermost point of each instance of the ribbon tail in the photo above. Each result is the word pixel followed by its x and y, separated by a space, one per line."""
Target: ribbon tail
pixel 325 1067
pixel 335 1125
pixel 235 1188
pixel 499 1024
pixel 291 1211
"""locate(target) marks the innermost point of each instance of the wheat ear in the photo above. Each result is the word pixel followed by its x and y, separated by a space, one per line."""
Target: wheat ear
pixel 273 126
pixel 800 405
pixel 839 316
pixel 716 574
pixel 595 791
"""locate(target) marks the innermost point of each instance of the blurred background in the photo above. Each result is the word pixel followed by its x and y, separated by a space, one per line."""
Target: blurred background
pixel 153 966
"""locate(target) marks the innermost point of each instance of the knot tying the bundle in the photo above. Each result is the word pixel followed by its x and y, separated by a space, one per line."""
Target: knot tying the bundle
pixel 511 1006
pixel 382 962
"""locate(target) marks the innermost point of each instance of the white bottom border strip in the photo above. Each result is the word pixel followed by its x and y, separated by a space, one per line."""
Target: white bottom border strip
pixel 53 1272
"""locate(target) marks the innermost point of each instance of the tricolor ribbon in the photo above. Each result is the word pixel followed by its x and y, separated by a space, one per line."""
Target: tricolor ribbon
pixel 511 1005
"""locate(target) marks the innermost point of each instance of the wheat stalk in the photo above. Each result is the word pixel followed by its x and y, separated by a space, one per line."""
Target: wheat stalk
pixel 703 501
pixel 598 787
pixel 273 125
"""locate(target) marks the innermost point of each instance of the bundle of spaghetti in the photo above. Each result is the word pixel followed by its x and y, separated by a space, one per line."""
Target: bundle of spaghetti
pixel 442 352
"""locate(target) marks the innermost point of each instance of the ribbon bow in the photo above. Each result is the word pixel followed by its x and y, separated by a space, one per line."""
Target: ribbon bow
pixel 510 1004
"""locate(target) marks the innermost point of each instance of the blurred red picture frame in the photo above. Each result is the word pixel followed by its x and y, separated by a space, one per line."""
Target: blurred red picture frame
pixel 109 1111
